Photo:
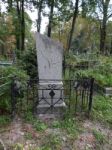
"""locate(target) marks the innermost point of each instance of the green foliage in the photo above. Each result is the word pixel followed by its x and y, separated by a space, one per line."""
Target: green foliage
pixel 69 124
pixel 99 136
pixel 13 71
pixel 56 124
pixel 44 148
pixel 37 124
pixel 29 62
pixel 101 71
pixel 4 120
pixel 28 136
pixel 18 146
pixel 6 76
pixel 102 75
pixel 10 73
pixel 102 107
pixel 29 117
pixel 73 60
pixel 5 103
pixel 51 141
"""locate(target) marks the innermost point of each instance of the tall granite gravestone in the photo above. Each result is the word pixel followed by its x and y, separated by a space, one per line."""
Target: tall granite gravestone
pixel 50 90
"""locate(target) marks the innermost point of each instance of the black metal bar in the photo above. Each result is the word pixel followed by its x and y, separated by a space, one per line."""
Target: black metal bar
pixel 13 99
pixel 91 95
pixel 64 66
pixel 80 94
pixel 76 101
pixel 70 95
pixel 27 96
pixel 82 98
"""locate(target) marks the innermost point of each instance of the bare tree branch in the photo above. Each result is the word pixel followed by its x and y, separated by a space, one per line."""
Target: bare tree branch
pixel 109 16
pixel 98 17
pixel 100 7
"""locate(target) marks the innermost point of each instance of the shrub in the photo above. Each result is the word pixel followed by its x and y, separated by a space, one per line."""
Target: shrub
pixel 29 62
pixel 5 89
pixel 102 107
pixel 13 71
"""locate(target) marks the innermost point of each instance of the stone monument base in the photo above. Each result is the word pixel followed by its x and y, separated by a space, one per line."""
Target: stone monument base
pixel 51 98
pixel 58 109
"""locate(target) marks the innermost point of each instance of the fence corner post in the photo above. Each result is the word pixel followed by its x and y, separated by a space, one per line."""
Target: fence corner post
pixel 91 96
pixel 13 98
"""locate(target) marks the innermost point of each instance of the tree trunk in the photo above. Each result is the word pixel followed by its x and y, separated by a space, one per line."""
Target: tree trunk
pixel 39 16
pixel 50 19
pixel 18 42
pixel 20 37
pixel 84 9
pixel 18 27
pixel 73 24
pixel 104 26
pixel 2 50
pixel 102 38
pixel 22 27
pixel 111 47
pixel 9 5
pixel 0 11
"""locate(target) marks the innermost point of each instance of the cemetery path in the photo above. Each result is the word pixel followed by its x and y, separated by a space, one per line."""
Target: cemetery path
pixel 93 137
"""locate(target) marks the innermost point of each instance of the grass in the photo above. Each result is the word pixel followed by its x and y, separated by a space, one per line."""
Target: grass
pixel 4 120
pixel 28 136
pixel 51 141
pixel 69 124
pixel 102 109
pixel 99 136
pixel 37 124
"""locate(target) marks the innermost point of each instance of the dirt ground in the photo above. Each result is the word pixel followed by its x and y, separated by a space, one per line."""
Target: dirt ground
pixel 20 134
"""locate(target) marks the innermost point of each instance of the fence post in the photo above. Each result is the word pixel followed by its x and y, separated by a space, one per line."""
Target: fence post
pixel 91 96
pixel 13 98
pixel 64 66
pixel 70 90
pixel 35 97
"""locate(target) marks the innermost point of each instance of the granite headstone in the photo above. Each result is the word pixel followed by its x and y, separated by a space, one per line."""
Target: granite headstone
pixel 49 59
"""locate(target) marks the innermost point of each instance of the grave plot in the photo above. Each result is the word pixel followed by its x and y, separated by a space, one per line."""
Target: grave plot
pixel 50 93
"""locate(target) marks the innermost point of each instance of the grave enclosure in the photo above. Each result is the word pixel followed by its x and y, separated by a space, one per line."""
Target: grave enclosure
pixel 51 93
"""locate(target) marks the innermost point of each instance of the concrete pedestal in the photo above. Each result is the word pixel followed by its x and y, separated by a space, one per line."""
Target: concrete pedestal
pixel 51 97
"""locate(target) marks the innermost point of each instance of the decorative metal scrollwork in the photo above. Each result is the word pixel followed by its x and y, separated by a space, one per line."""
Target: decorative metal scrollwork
pixel 76 84
pixel 52 86
pixel 86 84
pixel 52 93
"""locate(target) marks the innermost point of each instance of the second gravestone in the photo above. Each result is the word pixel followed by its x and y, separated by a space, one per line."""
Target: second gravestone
pixel 50 90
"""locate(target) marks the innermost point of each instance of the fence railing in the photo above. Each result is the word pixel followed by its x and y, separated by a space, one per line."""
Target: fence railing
pixel 76 94
pixel 21 97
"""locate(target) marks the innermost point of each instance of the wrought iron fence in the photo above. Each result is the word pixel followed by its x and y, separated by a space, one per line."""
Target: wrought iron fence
pixel 76 94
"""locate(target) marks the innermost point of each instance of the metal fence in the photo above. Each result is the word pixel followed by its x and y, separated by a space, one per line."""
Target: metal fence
pixel 18 97
pixel 76 94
